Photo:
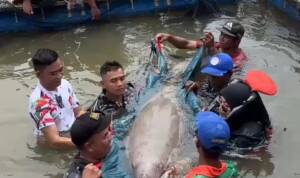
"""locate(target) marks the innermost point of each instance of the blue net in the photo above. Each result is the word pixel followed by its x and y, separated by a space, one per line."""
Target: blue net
pixel 185 98
pixel 116 164
pixel 157 74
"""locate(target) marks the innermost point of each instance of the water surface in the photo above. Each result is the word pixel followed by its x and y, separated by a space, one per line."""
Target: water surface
pixel 272 43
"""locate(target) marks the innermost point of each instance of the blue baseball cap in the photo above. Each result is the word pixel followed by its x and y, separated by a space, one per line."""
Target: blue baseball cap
pixel 212 132
pixel 218 65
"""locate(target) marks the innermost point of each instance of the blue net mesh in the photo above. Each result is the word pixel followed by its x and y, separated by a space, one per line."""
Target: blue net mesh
pixel 189 99
pixel 116 163
pixel 157 73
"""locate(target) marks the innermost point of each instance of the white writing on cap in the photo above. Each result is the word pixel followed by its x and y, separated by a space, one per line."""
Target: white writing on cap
pixel 214 61
pixel 228 25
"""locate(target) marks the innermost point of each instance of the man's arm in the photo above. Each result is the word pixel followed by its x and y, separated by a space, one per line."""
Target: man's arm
pixel 95 11
pixel 27 7
pixel 178 168
pixel 178 42
pixel 54 140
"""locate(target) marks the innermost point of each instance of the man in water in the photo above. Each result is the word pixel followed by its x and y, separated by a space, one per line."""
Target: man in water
pixel 117 94
pixel 211 137
pixel 92 134
pixel 245 114
pixel 118 97
pixel 229 41
pixel 53 105
pixel 219 71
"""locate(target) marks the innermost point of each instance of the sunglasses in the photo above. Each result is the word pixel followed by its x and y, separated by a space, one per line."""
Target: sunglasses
pixel 59 101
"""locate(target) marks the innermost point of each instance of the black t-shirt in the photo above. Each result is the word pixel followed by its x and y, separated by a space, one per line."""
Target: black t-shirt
pixel 107 107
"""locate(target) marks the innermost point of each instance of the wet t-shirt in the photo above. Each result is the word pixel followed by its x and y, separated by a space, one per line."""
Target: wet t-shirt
pixel 48 108
pixel 227 170
pixel 239 57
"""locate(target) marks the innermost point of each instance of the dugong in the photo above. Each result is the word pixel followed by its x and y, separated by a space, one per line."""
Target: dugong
pixel 160 134
pixel 154 135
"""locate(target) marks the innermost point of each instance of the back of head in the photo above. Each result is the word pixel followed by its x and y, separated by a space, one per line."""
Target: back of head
pixel 43 58
pixel 109 66
pixel 236 93
pixel 212 132
pixel 245 104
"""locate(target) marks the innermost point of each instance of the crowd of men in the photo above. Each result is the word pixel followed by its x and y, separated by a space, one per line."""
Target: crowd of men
pixel 56 111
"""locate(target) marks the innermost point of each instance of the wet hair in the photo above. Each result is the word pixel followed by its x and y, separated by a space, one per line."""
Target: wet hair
pixel 109 66
pixel 43 58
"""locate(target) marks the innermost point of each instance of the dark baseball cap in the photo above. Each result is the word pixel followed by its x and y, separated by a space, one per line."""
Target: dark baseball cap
pixel 87 125
pixel 233 28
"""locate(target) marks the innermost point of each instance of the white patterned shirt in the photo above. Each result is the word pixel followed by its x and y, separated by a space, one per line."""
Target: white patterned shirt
pixel 47 108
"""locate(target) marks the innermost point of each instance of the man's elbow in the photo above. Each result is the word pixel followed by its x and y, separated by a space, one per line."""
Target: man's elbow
pixel 53 143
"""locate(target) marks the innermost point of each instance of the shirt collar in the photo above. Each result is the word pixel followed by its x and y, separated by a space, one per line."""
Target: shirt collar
pixel 47 92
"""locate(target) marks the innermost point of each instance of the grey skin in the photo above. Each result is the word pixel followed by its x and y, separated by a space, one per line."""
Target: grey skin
pixel 154 135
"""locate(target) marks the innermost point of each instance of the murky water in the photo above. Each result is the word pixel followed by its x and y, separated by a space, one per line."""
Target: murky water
pixel 272 43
